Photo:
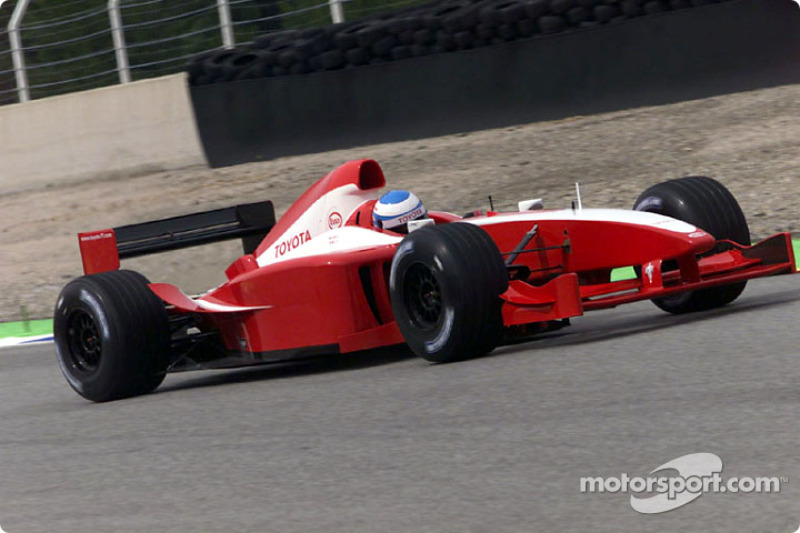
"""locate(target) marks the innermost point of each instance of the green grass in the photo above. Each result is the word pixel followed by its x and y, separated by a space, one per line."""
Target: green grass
pixel 25 329
pixel 796 244
pixel 622 273
pixel 43 327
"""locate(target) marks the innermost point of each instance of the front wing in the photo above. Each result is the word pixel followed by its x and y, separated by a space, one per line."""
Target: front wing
pixel 570 294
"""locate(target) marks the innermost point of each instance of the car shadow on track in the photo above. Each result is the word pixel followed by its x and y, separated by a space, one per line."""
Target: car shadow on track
pixel 293 369
pixel 597 327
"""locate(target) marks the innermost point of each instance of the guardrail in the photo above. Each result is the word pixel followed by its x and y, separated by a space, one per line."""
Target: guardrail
pixel 70 45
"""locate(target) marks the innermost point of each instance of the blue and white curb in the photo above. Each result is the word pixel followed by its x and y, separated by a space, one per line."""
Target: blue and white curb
pixel 18 341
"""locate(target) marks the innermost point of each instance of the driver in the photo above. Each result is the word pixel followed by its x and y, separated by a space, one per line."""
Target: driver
pixel 395 209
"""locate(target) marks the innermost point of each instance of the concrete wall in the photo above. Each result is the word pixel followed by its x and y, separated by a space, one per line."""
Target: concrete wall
pixel 114 131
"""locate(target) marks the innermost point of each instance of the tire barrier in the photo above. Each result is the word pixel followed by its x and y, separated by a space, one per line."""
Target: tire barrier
pixel 438 27
pixel 402 89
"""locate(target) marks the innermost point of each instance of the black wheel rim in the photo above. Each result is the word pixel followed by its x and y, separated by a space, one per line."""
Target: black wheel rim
pixel 85 343
pixel 423 296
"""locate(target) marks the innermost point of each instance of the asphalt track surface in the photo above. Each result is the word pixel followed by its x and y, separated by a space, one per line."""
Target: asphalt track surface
pixel 383 441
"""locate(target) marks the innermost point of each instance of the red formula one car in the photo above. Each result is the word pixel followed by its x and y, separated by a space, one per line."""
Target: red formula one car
pixel 323 280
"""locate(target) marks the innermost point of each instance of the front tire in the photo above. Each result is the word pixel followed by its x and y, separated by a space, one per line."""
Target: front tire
pixel 111 336
pixel 707 204
pixel 445 284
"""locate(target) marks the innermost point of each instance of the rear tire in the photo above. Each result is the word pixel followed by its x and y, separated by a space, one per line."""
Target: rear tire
pixel 707 204
pixel 112 336
pixel 445 284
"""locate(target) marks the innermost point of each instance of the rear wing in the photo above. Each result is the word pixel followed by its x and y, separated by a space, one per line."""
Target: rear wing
pixel 102 250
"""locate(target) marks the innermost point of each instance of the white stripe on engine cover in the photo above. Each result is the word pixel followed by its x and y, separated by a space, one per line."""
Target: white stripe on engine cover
pixel 346 239
pixel 343 200
pixel 641 218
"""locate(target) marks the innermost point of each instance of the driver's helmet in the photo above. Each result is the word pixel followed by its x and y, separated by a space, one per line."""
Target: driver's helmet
pixel 395 209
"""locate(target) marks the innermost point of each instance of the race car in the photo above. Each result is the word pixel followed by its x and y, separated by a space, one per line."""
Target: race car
pixel 325 280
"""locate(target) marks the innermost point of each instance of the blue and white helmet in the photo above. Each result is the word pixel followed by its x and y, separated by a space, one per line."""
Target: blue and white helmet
pixel 397 208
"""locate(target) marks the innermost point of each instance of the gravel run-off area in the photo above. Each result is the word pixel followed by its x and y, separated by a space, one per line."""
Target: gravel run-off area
pixel 748 141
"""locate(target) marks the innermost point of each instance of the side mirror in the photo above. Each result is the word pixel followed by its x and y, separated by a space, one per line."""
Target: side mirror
pixel 530 205
pixel 414 225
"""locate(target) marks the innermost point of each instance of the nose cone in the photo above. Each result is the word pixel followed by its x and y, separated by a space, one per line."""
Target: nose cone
pixel 610 239
pixel 700 241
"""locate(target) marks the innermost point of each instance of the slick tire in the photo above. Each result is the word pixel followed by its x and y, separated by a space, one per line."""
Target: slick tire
pixel 551 24
pixel 332 59
pixel 707 204
pixel 445 282
pixel 111 335
pixel 215 64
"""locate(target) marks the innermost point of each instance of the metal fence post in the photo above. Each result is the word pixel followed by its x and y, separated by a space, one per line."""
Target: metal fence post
pixel 337 13
pixel 225 24
pixel 120 50
pixel 17 55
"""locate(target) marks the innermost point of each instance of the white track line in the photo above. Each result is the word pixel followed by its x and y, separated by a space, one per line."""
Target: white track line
pixel 18 341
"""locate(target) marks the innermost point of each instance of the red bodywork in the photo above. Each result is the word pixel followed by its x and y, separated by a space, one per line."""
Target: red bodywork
pixel 319 280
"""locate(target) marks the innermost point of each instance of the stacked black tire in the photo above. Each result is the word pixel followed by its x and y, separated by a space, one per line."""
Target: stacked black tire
pixel 437 27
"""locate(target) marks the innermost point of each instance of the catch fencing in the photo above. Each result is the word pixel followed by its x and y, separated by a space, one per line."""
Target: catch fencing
pixel 50 47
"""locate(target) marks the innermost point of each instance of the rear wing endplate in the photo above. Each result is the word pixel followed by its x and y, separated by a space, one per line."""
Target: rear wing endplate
pixel 102 250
